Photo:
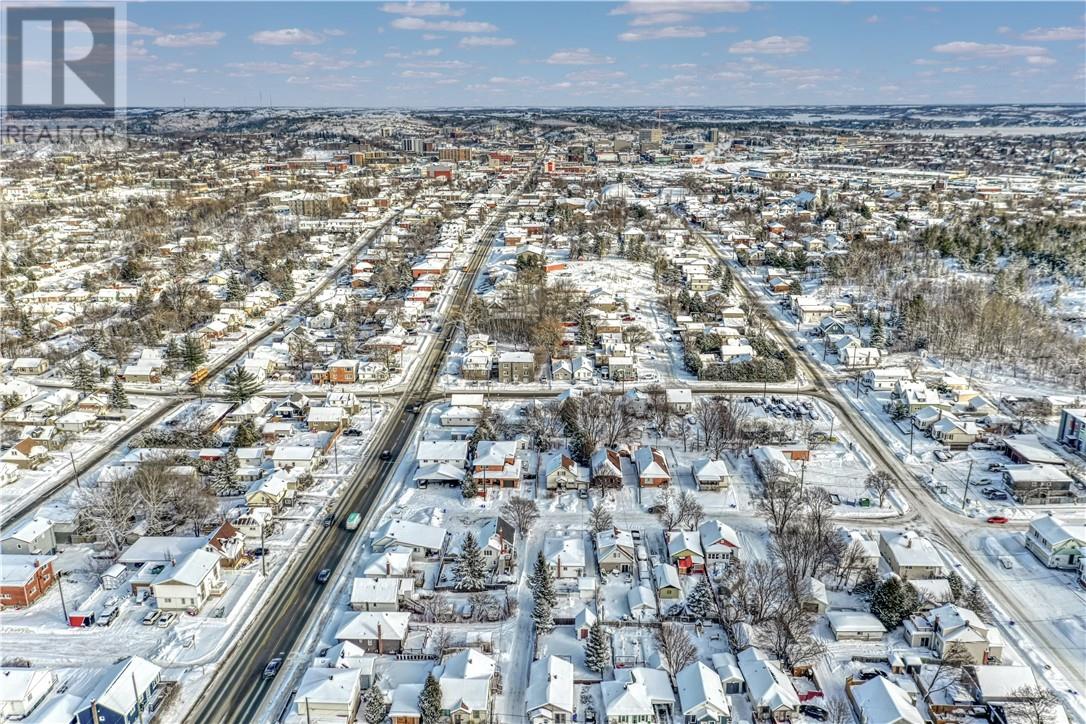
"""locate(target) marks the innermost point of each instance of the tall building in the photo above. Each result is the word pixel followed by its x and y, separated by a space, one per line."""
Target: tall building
pixel 648 136
pixel 412 145
pixel 455 155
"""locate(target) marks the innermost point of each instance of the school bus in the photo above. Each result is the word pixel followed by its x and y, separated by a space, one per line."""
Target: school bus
pixel 198 376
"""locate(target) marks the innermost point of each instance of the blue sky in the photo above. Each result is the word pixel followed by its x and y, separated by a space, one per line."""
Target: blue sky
pixel 430 54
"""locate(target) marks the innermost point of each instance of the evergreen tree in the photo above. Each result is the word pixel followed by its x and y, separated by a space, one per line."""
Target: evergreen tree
pixel 893 601
pixel 957 587
pixel 235 290
pixel 597 651
pixel 878 333
pixel 241 384
pixel 285 288
pixel 470 571
pixel 118 398
pixel 701 601
pixel 374 708
pixel 246 435
pixel 174 358
pixel 795 288
pixel 542 616
pixel 430 701
pixel 468 488
pixel 974 600
pixel 541 581
pixel 84 376
pixel 224 476
pixel 867 585
pixel 726 281
pixel 192 353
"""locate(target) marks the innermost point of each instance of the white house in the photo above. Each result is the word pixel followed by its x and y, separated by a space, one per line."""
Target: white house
pixel 1055 542
pixel 880 701
pixel 328 694
pixel 701 695
pixel 549 697
pixel 188 583
pixel 21 690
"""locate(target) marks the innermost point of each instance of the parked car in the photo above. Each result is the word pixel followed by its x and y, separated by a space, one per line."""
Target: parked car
pixel 997 519
pixel 166 619
pixel 108 616
pixel 272 668
pixel 997 467
pixel 996 495
pixel 324 575
pixel 151 617
pixel 815 712
pixel 869 674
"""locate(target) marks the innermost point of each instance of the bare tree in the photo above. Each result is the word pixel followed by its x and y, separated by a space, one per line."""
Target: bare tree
pixel 788 636
pixel 440 641
pixel 950 669
pixel 837 710
pixel 109 509
pixel 782 500
pixel 522 513
pixel 755 587
pixel 544 424
pixel 1032 704
pixel 676 647
pixel 880 483
pixel 689 509
pixel 600 519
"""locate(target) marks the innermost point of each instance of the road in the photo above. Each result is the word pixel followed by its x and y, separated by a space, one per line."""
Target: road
pixel 237 693
pixel 947 525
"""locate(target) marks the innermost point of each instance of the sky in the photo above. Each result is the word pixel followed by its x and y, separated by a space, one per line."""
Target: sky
pixel 641 53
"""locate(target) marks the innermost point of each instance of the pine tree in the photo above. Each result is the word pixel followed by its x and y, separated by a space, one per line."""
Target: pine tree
pixel 700 602
pixel 246 435
pixel 597 651
pixel 957 587
pixel 541 581
pixel 975 601
pixel 892 601
pixel 241 384
pixel 174 358
pixel 224 475
pixel 726 281
pixel 430 701
pixel 235 290
pixel 192 353
pixel 84 376
pixel 542 616
pixel 878 333
pixel 374 708
pixel 468 488
pixel 867 585
pixel 118 398
pixel 470 571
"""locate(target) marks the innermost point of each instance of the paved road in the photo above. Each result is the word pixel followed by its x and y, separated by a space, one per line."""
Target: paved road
pixel 238 693
pixel 946 524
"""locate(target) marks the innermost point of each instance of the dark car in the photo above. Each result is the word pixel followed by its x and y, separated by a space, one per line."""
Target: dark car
pixel 329 521
pixel 869 674
pixel 386 454
pixel 815 712
pixel 324 575
pixel 272 668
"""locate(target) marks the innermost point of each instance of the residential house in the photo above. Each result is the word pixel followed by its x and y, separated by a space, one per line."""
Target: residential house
pixel 561 473
pixel 606 466
pixel 188 584
pixel 377 594
pixel 855 626
pixel 910 555
pixel 615 551
pixel 328 694
pixel 1038 483
pixel 685 552
pixel 813 597
pixel 289 457
pixel 679 399
pixel 437 452
pixel 710 474
pixel 566 555
pixel 1055 542
pixel 701 695
pixel 637 695
pixel 424 541
pixel 229 543
pixel 34 537
pixel 516 367
pixel 24 579
pixel 381 632
pixel 953 626
pixel 496 463
pixel 955 433
pixel 26 454
pixel 467 684
pixel 21 690
pixel 880 701
pixel 652 468
pixel 124 694
pixel 549 697
pixel 326 419
pixel 719 542
pixel 668 585
pixel 1072 429
pixel 772 695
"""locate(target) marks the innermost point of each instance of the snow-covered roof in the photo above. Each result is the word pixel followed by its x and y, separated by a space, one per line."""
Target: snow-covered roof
pixel 854 622
pixel 550 684
pixel 116 689
pixel 329 686
pixel 410 534
pixel 1000 682
pixel 701 691
pixel 767 684
pixel 884 702
pixel 190 570
pixel 161 548
pixel 567 551
pixel 363 625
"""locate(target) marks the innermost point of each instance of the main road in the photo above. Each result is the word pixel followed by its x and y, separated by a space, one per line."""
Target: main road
pixel 237 692
pixel 1039 627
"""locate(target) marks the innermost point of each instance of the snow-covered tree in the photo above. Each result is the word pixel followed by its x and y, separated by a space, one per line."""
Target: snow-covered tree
pixel 374 708
pixel 597 651
pixel 468 488
pixel 192 353
pixel 430 701
pixel 84 376
pixel 541 581
pixel 241 384
pixel 246 434
pixel 118 398
pixel 469 569
pixel 700 602
pixel 893 601
pixel 224 475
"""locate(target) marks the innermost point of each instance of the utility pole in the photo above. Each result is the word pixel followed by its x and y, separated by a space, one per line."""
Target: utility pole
pixel 911 428
pixel 75 469
pixel 802 474
pixel 136 694
pixel 63 604
pixel 263 552
pixel 968 478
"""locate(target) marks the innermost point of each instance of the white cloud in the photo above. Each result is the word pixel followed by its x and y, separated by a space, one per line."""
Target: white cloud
pixel 334 32
pixel 444 26
pixel 503 80
pixel 1040 60
pixel 654 7
pixel 659 19
pixel 485 41
pixel 578 56
pixel 672 31
pixel 987 50
pixel 420 74
pixel 423 9
pixel 131 28
pixel 772 45
pixel 286 36
pixel 872 19
pixel 189 40
pixel 1061 33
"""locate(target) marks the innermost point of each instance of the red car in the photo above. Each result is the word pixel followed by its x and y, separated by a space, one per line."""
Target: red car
pixel 1000 519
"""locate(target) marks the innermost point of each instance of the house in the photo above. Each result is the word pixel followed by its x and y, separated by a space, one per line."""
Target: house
pixel 26 454
pixel 719 542
pixel 652 469
pixel 549 697
pixel 1055 542
pixel 436 452
pixel 466 680
pixel 76 422
pixel 1072 429
pixel 813 597
pixel 621 368
pixel 394 563
pixel 440 474
pixel 21 690
pixel 679 399
pixel 272 491
pixel 288 457
pixel 29 366
pixel 997 685
pixel 328 694
pixel 701 695
pixel 910 555
pixel 885 378
pixel 615 551
pixel 424 541
pixel 684 551
pixel 668 585
pixel 160 549
pixel 727 668
pixel 770 463
pixel 953 626
pixel 326 419
pixel 381 632
pixel 953 432
pixel 514 367
pixel 855 626
pixel 880 701
pixel 1023 449
pixel 24 579
pixel 461 417
pixel 1038 483
pixel 606 466
pixel 376 594
pixel 641 601
pixel 637 695
pixel 294 407
pixel 34 537
pixel 566 555
pixel 405 704
pixel 561 473
pixel 125 693
pixel 496 463
pixel 229 543
pixel 189 583
pixel 710 474
pixel 476 365
pixel 771 693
